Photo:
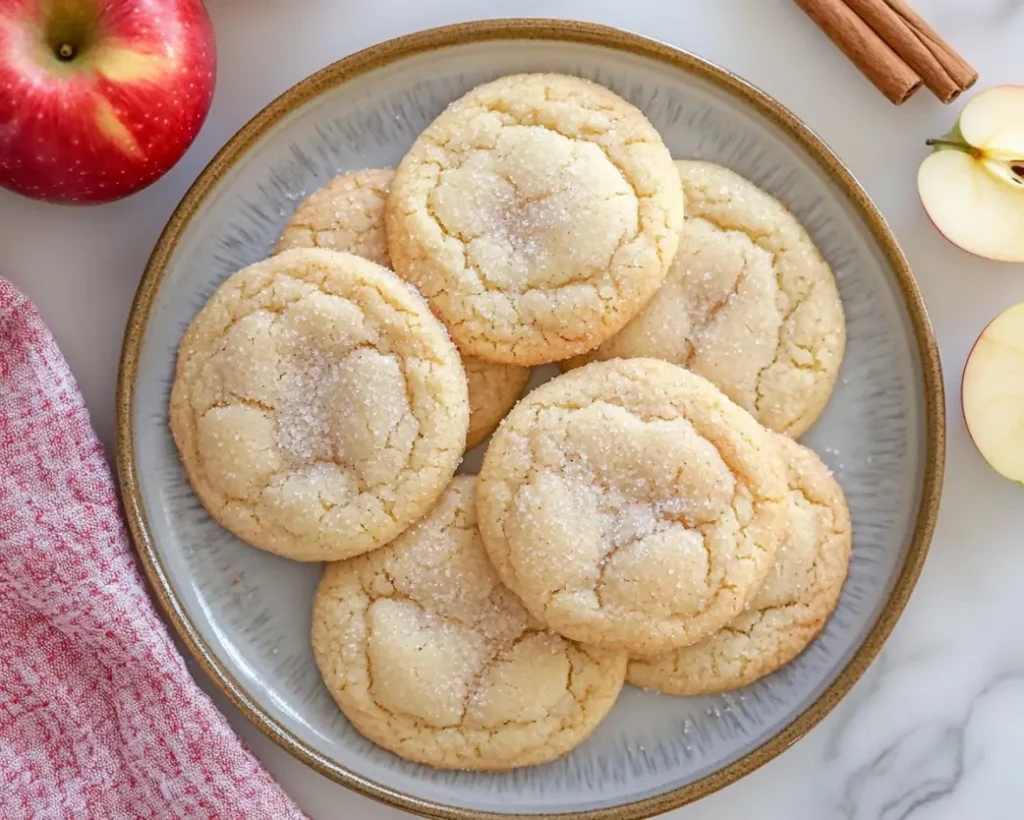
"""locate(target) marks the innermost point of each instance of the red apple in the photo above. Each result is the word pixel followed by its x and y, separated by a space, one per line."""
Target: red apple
pixel 99 98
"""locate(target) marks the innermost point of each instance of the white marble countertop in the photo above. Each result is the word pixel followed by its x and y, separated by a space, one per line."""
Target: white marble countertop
pixel 935 728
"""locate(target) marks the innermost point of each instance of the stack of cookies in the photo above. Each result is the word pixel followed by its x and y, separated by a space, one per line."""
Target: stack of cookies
pixel 646 516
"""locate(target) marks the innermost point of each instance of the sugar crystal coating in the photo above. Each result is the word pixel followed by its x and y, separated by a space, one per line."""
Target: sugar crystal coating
pixel 318 406
pixel 430 656
pixel 749 303
pixel 631 505
pixel 537 214
pixel 793 604
pixel 347 215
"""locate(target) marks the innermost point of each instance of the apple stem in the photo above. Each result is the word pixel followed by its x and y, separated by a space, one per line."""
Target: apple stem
pixel 66 52
pixel 957 144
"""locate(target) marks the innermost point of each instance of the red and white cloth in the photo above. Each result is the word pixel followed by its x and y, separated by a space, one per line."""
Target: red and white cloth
pixel 99 717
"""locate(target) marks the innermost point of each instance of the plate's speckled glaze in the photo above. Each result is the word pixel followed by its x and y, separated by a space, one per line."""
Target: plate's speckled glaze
pixel 245 613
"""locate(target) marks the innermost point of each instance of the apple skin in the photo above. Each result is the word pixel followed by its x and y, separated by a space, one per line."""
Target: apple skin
pixel 962 245
pixel 117 110
pixel 972 184
pixel 992 393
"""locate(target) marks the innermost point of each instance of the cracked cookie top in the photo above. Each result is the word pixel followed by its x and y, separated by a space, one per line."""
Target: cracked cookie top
pixel 631 505
pixel 537 214
pixel 428 655
pixel 493 391
pixel 792 606
pixel 318 406
pixel 348 215
pixel 749 303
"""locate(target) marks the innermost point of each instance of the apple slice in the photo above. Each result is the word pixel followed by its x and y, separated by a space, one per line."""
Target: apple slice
pixel 992 393
pixel 972 185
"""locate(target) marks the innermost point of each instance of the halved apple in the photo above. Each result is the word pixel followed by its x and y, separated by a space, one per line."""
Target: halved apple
pixel 972 185
pixel 992 393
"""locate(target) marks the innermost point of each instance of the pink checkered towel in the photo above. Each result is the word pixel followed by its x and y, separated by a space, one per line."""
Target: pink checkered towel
pixel 98 715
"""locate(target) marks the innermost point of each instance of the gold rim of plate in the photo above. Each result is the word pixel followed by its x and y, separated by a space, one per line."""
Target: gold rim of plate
pixel 556 31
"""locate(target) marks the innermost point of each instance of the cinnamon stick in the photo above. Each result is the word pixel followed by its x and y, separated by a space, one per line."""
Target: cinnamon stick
pixel 887 71
pixel 959 69
pixel 944 71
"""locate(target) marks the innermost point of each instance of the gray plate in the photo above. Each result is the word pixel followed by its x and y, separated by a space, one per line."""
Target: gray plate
pixel 245 613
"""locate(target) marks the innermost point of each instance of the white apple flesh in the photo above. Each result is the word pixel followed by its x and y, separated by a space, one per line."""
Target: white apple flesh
pixel 992 393
pixel 972 185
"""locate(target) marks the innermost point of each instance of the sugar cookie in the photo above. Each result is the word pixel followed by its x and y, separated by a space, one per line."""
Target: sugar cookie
pixel 318 406
pixel 537 214
pixel 631 505
pixel 749 304
pixel 348 215
pixel 493 390
pixel 791 608
pixel 428 655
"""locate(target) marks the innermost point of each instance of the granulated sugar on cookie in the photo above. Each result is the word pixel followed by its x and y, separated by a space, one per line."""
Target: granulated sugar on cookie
pixel 537 214
pixel 631 505
pixel 792 606
pixel 428 655
pixel 348 215
pixel 493 390
pixel 345 215
pixel 749 303
pixel 318 406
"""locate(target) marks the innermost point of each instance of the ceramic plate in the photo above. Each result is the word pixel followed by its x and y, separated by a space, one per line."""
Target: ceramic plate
pixel 245 613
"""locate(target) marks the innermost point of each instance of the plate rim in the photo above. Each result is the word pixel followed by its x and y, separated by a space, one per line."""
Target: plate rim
pixel 554 30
